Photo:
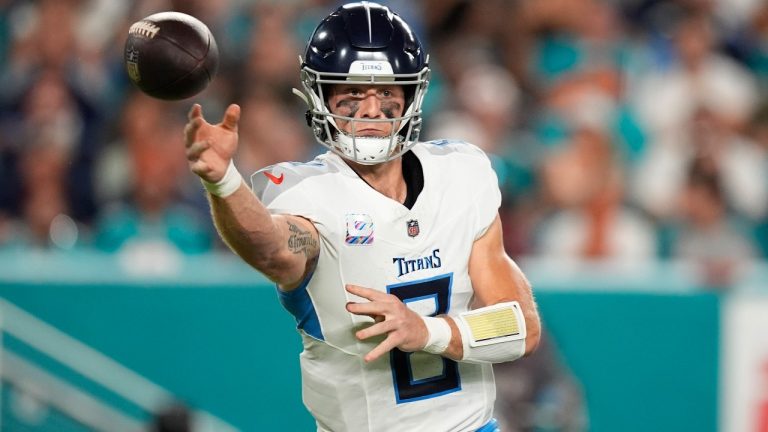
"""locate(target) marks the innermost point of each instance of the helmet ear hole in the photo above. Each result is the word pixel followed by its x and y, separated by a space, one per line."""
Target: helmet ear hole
pixel 323 44
pixel 411 47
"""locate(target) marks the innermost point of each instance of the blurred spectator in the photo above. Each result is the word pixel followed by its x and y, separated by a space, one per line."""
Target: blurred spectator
pixel 594 96
pixel 44 213
pixel 485 109
pixel 539 393
pixel 762 410
pixel 700 85
pixel 748 33
pixel 485 112
pixel 739 161
pixel 65 37
pixel 706 234
pixel 585 182
pixel 46 141
pixel 571 37
pixel 758 132
pixel 272 55
pixel 45 47
pixel 145 214
pixel 270 133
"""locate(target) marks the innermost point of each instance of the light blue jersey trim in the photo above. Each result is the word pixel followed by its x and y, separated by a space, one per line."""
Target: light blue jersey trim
pixel 442 142
pixel 300 305
pixel 491 426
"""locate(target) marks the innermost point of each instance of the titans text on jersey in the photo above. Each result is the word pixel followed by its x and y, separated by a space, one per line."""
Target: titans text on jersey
pixel 407 265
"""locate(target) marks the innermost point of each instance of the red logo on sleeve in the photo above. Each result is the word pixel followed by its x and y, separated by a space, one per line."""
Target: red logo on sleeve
pixel 273 178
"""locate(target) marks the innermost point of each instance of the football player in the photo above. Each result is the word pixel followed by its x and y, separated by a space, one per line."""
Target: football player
pixel 387 250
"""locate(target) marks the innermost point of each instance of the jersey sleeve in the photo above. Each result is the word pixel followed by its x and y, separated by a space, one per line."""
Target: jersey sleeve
pixel 477 184
pixel 279 188
pixel 487 193
pixel 480 183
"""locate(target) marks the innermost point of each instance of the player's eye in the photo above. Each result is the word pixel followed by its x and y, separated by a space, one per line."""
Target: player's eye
pixel 353 91
pixel 386 93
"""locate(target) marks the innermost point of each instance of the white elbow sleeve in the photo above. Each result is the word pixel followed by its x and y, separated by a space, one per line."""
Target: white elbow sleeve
pixel 492 334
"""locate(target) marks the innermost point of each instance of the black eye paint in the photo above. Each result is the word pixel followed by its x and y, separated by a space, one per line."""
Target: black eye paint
pixel 352 105
pixel 389 108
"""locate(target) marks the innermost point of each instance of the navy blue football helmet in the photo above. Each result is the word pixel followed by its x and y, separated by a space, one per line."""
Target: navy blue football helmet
pixel 364 43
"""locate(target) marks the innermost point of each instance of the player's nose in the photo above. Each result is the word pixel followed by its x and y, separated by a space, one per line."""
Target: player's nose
pixel 370 107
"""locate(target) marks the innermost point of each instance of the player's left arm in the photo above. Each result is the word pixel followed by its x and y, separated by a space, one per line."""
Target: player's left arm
pixel 496 279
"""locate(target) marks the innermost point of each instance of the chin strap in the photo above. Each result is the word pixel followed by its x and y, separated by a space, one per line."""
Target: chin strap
pixel 360 147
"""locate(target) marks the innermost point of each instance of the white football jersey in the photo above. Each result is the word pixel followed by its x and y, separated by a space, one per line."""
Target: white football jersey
pixel 420 255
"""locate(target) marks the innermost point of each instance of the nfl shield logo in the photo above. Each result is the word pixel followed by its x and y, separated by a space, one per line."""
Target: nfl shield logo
pixel 413 227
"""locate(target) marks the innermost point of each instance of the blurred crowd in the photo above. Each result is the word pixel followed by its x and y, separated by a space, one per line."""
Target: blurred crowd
pixel 622 131
pixel 626 130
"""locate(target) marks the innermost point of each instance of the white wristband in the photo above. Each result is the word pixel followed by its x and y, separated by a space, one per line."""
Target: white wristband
pixel 227 185
pixel 439 335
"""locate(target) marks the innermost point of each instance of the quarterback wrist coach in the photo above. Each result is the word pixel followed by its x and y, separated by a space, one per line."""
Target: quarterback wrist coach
pixel 227 185
pixel 492 334
pixel 489 334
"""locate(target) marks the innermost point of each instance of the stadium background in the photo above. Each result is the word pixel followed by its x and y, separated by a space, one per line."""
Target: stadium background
pixel 631 143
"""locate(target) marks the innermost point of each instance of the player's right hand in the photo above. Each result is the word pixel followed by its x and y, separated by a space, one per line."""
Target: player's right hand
pixel 209 147
pixel 404 329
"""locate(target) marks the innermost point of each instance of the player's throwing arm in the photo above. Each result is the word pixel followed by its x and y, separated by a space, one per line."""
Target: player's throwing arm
pixel 261 239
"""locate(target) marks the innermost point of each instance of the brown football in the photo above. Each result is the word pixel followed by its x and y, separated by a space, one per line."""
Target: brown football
pixel 170 55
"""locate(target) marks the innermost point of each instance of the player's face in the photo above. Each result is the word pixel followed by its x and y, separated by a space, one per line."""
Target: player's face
pixel 367 102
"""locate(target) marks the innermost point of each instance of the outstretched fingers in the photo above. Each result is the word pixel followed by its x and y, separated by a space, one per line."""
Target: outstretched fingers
pixel 190 131
pixel 380 328
pixel 371 309
pixel 231 117
pixel 366 293
pixel 195 111
pixel 379 304
pixel 201 168
pixel 195 150
pixel 384 347
pixel 196 121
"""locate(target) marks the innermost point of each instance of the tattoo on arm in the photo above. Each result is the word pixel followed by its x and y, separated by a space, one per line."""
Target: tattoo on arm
pixel 301 241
